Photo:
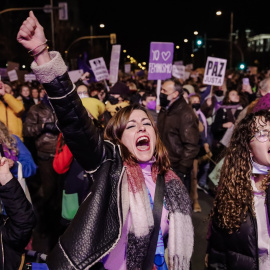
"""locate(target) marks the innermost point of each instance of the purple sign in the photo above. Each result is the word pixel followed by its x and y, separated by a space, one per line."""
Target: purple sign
pixel 160 62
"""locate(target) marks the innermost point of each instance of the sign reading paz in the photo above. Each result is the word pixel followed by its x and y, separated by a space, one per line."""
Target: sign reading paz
pixel 214 71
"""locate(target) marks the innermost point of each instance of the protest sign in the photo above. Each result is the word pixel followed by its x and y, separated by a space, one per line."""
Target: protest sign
pixel 99 68
pixel 30 77
pixel 214 71
pixel 160 61
pixel 75 75
pixel 114 63
pixel 178 71
pixel 13 76
pixel 127 68
pixel 12 65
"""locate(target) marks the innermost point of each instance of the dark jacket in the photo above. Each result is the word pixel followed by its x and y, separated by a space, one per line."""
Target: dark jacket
pixel 46 137
pixel 234 251
pixel 224 114
pixel 27 103
pixel 97 236
pixel 179 131
pixel 16 226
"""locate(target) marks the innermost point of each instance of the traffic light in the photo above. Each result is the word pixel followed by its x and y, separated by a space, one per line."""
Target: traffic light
pixel 199 42
pixel 242 66
pixel 113 38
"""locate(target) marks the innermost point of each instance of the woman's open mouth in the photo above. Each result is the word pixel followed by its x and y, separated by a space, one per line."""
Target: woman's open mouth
pixel 143 143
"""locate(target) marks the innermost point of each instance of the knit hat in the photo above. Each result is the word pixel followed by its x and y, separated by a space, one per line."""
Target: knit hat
pixel 119 88
pixel 263 103
pixel 190 88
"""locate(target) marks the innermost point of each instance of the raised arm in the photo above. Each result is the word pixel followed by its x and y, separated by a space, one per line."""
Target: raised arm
pixel 50 69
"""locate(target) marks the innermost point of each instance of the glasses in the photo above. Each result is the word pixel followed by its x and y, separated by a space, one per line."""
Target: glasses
pixel 262 135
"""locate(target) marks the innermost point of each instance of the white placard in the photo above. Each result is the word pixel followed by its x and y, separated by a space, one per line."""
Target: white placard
pixel 13 76
pixel 187 75
pixel 75 75
pixel 127 68
pixel 114 63
pixel 178 71
pixel 189 67
pixel 179 63
pixel 214 71
pixel 30 77
pixel 99 68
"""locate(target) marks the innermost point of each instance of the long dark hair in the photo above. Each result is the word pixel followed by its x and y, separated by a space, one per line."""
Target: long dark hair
pixel 234 192
pixel 114 131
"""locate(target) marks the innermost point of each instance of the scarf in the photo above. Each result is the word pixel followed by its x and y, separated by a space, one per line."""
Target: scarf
pixel 181 232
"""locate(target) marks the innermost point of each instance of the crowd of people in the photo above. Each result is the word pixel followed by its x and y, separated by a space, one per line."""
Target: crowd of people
pixel 93 154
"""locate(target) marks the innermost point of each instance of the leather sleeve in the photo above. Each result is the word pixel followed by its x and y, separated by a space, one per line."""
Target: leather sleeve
pixel 80 134
pixel 21 219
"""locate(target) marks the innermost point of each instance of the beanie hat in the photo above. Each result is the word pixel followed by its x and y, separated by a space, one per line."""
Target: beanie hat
pixel 190 88
pixel 263 103
pixel 119 88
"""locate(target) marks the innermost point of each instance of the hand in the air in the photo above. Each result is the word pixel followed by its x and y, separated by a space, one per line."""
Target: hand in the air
pixel 31 33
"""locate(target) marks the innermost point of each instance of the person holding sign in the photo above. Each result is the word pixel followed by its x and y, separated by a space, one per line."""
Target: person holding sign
pixel 239 227
pixel 114 224
pixel 178 126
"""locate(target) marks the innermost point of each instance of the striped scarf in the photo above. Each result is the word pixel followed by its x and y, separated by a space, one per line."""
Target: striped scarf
pixel 181 232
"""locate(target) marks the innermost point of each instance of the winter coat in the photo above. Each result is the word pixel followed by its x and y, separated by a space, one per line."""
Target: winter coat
pixel 178 127
pixel 223 115
pixel 45 137
pixel 11 110
pixel 234 251
pixel 16 226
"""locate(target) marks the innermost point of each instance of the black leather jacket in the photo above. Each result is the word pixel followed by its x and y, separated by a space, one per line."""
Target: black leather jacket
pixel 238 250
pixel 179 131
pixel 16 227
pixel 95 237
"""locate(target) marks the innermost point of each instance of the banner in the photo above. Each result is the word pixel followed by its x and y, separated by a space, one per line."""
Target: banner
pixel 214 72
pixel 13 76
pixel 160 61
pixel 75 75
pixel 114 63
pixel 30 77
pixel 99 68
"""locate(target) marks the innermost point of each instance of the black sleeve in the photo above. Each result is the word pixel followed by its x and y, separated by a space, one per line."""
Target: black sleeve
pixel 21 219
pixel 80 134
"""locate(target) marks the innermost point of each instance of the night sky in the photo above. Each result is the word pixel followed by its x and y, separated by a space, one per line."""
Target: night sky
pixel 137 23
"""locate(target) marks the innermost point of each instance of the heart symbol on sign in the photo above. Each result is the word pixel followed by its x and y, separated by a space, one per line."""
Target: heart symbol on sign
pixel 166 55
